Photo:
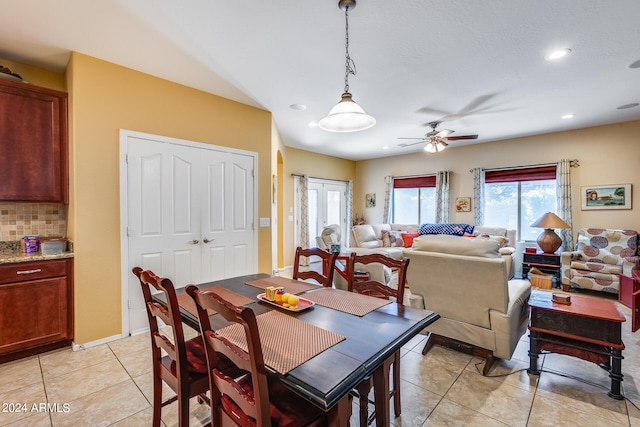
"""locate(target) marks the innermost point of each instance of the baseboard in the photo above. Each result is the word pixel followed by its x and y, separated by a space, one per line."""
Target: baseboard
pixel 78 347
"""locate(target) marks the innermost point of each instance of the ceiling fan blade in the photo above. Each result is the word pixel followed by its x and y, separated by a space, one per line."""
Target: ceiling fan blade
pixel 444 132
pixel 405 144
pixel 412 138
pixel 454 138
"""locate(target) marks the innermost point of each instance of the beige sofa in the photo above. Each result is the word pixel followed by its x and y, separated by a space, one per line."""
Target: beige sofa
pixel 465 282
pixel 368 238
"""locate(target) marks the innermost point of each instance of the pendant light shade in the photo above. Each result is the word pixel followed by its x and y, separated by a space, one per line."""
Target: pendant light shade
pixel 346 116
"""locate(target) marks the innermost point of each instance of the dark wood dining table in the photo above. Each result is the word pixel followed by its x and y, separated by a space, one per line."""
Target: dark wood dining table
pixel 326 379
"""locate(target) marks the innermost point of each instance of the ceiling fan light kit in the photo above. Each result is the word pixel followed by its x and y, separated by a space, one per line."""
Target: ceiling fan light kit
pixel 437 140
pixel 347 116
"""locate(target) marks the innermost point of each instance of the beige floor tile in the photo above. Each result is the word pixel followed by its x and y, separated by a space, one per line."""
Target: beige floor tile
pixel 145 384
pixel 200 415
pixel 40 419
pixel 65 361
pixel 549 412
pixel 131 344
pixel 17 404
pixel 494 399
pixel 417 404
pixel 512 372
pixel 634 414
pixel 582 397
pixel 450 414
pixel 81 382
pixel 430 372
pixel 103 407
pixel 138 362
pixel 142 418
pixel 20 373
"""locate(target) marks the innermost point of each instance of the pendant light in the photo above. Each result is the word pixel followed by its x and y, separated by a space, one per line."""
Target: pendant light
pixel 347 116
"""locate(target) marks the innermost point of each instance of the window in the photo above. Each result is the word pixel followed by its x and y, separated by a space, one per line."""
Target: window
pixel 414 200
pixel 515 198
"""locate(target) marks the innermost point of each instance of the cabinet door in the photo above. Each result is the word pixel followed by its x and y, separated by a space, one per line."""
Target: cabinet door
pixel 33 142
pixel 33 313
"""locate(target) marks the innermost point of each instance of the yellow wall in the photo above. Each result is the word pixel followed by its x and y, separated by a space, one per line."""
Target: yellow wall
pixel 36 76
pixel 105 98
pixel 314 165
pixel 607 154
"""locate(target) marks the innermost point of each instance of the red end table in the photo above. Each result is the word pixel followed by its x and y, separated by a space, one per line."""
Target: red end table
pixel 629 295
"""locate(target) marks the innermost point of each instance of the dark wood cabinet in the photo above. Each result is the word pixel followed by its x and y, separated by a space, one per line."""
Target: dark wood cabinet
pixel 33 143
pixel 36 307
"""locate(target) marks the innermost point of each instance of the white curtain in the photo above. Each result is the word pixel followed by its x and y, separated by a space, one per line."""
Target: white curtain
pixel 347 235
pixel 478 195
pixel 563 181
pixel 388 197
pixel 442 197
pixel 302 185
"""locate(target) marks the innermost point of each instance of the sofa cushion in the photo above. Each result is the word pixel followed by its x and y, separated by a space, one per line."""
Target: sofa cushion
pixel 379 228
pixel 452 229
pixel 363 233
pixel 455 245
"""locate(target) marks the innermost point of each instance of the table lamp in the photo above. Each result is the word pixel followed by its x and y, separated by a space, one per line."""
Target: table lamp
pixel 548 240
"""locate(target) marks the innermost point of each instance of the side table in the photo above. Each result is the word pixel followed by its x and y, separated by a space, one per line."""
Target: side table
pixel 629 295
pixel 547 263
pixel 588 328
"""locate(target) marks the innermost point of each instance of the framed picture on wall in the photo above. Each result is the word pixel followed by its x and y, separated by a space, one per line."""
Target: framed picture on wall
pixel 371 200
pixel 599 197
pixel 463 204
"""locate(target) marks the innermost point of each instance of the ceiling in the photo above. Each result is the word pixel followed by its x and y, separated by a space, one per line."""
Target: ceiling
pixel 477 66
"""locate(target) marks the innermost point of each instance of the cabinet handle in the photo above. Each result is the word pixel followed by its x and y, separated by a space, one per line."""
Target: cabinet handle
pixel 37 270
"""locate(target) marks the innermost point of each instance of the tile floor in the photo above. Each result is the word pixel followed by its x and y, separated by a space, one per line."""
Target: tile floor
pixel 110 385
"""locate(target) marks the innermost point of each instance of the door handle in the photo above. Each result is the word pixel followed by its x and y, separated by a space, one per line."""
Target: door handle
pixel 205 240
pixel 194 242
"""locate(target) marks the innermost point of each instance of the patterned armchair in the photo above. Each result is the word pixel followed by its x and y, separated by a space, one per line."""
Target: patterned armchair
pixel 601 256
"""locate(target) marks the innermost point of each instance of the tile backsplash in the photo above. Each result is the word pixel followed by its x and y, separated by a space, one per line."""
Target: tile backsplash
pixel 18 219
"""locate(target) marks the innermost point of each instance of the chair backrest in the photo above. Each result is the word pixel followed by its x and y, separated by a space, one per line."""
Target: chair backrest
pixel 373 287
pixel 328 261
pixel 607 245
pixel 247 395
pixel 170 316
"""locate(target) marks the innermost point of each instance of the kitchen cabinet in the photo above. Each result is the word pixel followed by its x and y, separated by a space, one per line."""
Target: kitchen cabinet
pixel 36 307
pixel 33 142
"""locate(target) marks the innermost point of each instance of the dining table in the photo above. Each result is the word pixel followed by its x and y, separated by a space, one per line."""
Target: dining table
pixel 368 331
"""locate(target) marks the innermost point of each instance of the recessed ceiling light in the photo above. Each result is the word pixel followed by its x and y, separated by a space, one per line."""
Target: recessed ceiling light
pixel 556 54
pixel 386 147
pixel 298 107
pixel 568 116
pixel 625 106
pixel 313 124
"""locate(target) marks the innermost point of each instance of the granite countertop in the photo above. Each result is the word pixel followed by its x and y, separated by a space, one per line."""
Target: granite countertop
pixel 11 253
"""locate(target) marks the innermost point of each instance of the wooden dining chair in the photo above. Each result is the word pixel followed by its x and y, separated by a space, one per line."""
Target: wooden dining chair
pixel 385 291
pixel 250 397
pixel 328 261
pixel 184 367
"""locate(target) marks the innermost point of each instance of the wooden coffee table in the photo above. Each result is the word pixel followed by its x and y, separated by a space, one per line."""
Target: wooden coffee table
pixel 588 328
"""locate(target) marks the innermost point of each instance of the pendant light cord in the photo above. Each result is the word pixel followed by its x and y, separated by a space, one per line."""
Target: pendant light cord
pixel 350 66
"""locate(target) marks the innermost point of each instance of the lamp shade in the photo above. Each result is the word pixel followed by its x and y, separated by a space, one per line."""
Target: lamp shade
pixel 550 220
pixel 346 116
pixel 548 240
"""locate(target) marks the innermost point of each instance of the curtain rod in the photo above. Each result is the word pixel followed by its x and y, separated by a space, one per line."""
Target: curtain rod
pixel 326 179
pixel 574 163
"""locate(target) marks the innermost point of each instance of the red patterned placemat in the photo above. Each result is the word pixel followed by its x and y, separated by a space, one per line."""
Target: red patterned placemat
pixel 290 285
pixel 349 302
pixel 185 301
pixel 286 342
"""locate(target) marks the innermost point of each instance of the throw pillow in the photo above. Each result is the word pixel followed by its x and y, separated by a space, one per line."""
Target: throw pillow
pixel 386 240
pixel 396 238
pixel 408 239
pixel 452 229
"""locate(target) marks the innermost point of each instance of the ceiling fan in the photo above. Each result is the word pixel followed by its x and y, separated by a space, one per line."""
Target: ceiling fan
pixel 436 140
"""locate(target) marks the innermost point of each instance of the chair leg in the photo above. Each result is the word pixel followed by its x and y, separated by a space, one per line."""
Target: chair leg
pixel 489 360
pixel 431 340
pixel 157 401
pixel 183 409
